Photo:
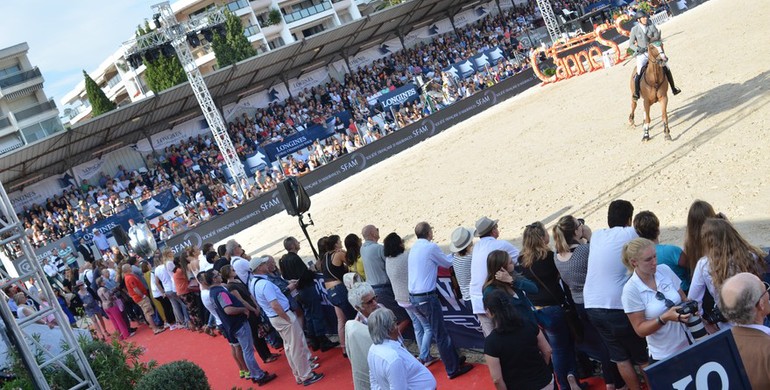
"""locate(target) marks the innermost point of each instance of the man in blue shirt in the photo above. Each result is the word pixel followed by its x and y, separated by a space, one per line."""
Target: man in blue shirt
pixel 276 306
pixel 234 318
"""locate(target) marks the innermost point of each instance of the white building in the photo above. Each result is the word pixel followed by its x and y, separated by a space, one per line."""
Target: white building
pixel 268 24
pixel 26 114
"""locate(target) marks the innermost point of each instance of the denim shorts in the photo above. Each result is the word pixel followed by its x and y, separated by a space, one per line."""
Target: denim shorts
pixel 338 295
pixel 619 336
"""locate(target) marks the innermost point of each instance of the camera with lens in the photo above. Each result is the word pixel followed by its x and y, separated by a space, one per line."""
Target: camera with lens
pixel 713 316
pixel 689 307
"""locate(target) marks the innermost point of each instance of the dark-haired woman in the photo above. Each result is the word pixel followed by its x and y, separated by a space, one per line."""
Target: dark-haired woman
pixel 334 269
pixel 353 255
pixel 537 262
pixel 511 350
pixel 501 276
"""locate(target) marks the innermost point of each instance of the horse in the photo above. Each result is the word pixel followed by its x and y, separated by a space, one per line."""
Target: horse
pixel 653 88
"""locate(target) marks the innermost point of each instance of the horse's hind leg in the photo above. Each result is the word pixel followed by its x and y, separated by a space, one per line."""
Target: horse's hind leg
pixel 631 116
pixel 664 115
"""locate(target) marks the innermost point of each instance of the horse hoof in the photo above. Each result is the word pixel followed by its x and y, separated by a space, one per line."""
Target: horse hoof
pixel 667 137
pixel 645 138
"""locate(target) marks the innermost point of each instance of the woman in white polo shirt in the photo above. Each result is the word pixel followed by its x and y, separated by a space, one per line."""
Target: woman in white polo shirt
pixel 651 298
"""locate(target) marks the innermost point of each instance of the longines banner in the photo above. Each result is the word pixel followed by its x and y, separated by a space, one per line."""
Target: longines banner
pixel 268 204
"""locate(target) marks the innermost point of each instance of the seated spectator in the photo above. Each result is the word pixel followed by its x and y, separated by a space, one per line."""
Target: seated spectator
pixel 744 300
pixel 358 341
pixel 391 366
pixel 516 352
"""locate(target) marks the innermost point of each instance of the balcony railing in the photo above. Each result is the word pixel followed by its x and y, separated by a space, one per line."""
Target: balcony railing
pixel 251 30
pixel 236 5
pixel 19 78
pixel 307 12
pixel 34 110
pixel 7 149
pixel 114 81
pixel 4 122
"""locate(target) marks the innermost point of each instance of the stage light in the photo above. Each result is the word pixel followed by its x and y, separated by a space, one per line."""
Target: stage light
pixel 135 60
pixel 220 29
pixel 156 20
pixel 208 35
pixel 167 50
pixel 193 40
pixel 152 54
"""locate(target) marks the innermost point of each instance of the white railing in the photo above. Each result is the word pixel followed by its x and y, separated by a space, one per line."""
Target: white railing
pixel 660 18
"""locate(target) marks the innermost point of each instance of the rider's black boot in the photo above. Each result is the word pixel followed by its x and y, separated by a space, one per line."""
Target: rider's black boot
pixel 637 81
pixel 670 78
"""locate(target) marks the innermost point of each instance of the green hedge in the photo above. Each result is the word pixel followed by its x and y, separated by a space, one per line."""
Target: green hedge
pixel 181 375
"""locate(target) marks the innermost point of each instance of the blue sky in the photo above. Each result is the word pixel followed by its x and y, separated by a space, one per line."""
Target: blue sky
pixel 66 37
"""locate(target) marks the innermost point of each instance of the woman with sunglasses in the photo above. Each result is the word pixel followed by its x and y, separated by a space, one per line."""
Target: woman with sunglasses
pixel 651 298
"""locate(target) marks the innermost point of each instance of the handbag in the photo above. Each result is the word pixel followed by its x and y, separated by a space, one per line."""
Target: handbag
pixel 570 313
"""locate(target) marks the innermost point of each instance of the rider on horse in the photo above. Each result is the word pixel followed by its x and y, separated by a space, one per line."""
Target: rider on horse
pixel 642 34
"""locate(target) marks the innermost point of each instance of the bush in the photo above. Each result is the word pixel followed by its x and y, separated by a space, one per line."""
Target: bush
pixel 181 375
pixel 274 17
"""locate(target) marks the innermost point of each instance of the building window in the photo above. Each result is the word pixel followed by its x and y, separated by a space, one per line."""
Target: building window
pixel 10 70
pixel 275 43
pixel 42 129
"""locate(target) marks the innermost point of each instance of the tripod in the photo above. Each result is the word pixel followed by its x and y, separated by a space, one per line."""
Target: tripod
pixel 304 226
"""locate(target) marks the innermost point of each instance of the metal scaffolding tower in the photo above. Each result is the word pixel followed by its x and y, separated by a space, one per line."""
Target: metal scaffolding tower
pixel 16 247
pixel 550 19
pixel 171 37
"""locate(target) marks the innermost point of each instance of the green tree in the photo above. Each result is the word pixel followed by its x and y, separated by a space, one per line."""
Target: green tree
pixel 234 46
pixel 164 72
pixel 99 102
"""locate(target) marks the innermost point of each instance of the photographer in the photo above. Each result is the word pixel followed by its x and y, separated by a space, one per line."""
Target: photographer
pixel 652 299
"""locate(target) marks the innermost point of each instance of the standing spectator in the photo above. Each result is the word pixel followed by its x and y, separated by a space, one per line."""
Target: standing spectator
pixel 70 257
pixel 334 270
pixel 109 304
pixel 461 247
pixel 139 295
pixel 276 307
pixel 571 238
pixel 164 281
pixel 647 226
pixel 292 267
pixel 397 267
pixel 51 272
pixel 234 316
pixel 603 290
pixel 699 212
pixel 516 353
pixel 391 366
pixel 239 260
pixel 187 288
pixel 537 263
pixel 489 241
pixel 651 298
pixel 100 240
pixel 373 256
pixel 726 253
pixel 744 301
pixel 353 255
pixel 424 259
pixel 92 310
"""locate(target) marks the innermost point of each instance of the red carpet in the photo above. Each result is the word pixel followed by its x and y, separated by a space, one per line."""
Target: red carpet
pixel 213 355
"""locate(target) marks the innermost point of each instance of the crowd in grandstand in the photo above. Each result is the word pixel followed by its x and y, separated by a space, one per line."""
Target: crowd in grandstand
pixel 615 295
pixel 194 169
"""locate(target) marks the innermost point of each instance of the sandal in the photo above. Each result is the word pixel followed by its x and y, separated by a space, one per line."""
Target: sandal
pixel 273 357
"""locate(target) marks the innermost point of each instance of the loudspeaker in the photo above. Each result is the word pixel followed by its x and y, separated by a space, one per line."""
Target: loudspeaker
pixel 293 196
pixel 120 235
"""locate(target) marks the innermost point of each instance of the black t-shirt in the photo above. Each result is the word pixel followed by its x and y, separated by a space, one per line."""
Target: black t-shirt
pixel 547 280
pixel 520 360
pixel 292 267
pixel 221 262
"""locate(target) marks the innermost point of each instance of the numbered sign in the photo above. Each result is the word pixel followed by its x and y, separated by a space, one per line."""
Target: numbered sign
pixel 712 364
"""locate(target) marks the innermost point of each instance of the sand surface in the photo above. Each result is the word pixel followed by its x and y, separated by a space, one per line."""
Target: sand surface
pixel 566 149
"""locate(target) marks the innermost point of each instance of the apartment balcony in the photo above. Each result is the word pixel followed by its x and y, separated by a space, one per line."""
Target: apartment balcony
pixel 23 82
pixel 307 12
pixel 11 146
pixel 237 5
pixel 4 122
pixel 251 30
pixel 35 110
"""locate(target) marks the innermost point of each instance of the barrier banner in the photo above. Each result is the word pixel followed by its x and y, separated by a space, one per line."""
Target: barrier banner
pixel 269 204
pixel 299 140
pixel 255 161
pixel 45 251
pixel 465 69
pixel 105 226
pixel 495 55
pixel 159 204
pixel 399 96
pixel 234 221
pixel 480 61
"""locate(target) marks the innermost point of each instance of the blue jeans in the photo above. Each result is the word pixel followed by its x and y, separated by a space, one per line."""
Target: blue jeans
pixel 423 336
pixel 243 335
pixel 558 334
pixel 429 307
pixel 311 305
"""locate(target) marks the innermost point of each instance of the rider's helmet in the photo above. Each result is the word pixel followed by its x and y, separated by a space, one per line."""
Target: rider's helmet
pixel 641 14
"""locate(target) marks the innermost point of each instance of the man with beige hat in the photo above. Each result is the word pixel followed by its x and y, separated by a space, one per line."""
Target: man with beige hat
pixel 488 232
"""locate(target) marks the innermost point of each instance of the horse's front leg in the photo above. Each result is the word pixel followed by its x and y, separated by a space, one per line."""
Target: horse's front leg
pixel 664 115
pixel 646 136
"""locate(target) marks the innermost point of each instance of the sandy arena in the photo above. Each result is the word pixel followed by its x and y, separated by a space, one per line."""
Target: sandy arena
pixel 566 149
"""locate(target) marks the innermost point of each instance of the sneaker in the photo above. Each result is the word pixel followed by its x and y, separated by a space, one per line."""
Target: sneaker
pixel 243 374
pixel 131 334
pixel 314 365
pixel 463 369
pixel 314 377
pixel 267 377
pixel 430 361
pixel 158 330
pixel 313 359
pixel 273 357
